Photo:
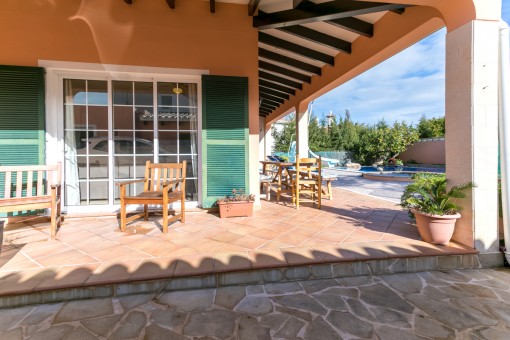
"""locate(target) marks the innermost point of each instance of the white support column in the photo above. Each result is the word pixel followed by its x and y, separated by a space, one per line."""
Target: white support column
pixel 472 129
pixel 302 118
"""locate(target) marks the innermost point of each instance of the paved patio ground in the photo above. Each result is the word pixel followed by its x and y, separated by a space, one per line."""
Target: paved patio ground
pixel 471 304
pixel 92 251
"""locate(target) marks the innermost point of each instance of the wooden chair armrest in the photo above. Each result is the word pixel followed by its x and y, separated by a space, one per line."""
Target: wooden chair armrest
pixel 130 182
pixel 55 186
pixel 165 184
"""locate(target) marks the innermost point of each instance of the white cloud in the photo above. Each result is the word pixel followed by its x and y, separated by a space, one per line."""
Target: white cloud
pixel 404 87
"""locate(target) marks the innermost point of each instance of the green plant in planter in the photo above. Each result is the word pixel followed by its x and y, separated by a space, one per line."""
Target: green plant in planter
pixel 237 195
pixel 428 195
pixel 434 206
pixel 236 204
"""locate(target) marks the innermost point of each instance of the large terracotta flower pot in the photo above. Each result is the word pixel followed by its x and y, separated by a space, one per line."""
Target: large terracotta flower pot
pixel 436 229
pixel 235 209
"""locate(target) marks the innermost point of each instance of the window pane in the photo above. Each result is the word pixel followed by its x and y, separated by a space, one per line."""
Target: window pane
pixel 99 192
pixel 75 115
pixel 191 165
pixel 188 118
pixel 98 145
pixel 98 167
pixel 167 118
pixel 74 91
pixel 143 94
pixel 168 141
pixel 168 159
pixel 144 118
pixel 187 142
pixel 98 117
pixel 123 118
pixel 188 95
pixel 166 95
pixel 191 190
pixel 122 93
pixel 123 167
pixel 97 92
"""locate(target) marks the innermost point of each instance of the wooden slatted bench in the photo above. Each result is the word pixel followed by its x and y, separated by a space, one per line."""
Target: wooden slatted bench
pixel 32 187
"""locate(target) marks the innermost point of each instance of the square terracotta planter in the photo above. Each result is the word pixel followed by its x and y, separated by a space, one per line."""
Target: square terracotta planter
pixel 236 209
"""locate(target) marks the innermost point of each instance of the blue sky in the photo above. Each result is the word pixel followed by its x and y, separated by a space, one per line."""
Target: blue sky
pixel 403 87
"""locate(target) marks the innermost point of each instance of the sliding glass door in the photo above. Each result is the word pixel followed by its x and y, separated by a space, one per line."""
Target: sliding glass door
pixel 112 127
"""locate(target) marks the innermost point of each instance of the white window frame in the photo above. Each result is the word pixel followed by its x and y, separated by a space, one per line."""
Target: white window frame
pixel 57 71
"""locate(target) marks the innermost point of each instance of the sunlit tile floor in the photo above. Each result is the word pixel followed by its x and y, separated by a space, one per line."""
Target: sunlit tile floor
pixel 89 251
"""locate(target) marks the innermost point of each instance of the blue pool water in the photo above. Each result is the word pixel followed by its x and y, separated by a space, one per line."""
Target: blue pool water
pixel 365 169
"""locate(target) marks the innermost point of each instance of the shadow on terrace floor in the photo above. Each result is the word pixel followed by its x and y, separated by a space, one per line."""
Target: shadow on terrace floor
pixel 92 251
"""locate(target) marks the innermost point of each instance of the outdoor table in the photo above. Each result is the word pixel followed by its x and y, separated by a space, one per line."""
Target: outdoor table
pixel 281 175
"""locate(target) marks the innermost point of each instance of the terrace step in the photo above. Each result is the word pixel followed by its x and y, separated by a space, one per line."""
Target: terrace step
pixel 325 265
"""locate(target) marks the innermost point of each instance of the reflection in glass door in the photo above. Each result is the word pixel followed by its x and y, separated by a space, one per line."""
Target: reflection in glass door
pixel 137 134
pixel 85 134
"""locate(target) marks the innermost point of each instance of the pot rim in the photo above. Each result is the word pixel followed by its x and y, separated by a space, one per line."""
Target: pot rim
pixel 446 217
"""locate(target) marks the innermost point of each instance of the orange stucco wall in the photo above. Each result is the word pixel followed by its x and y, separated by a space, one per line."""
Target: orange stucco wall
pixel 146 33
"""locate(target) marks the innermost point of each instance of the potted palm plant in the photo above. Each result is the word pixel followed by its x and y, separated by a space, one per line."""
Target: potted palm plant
pixel 434 207
pixel 236 204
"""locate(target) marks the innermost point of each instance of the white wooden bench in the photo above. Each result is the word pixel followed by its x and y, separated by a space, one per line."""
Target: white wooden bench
pixel 32 187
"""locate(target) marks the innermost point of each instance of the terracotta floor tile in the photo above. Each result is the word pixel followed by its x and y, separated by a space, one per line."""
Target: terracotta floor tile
pixel 25 281
pixel 274 245
pixel 208 246
pixel 113 271
pixel 69 276
pixel 195 265
pixel 266 234
pixel 333 237
pixel 267 258
pixel 225 236
pixel 303 232
pixel 291 238
pixel 300 256
pixel 156 268
pixel 231 261
pixel 243 230
pixel 65 258
pixel 249 242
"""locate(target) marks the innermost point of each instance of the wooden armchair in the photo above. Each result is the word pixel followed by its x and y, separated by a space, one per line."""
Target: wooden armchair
pixel 164 183
pixel 307 179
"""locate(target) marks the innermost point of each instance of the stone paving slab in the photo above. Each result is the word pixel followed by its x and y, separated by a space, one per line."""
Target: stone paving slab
pixel 456 304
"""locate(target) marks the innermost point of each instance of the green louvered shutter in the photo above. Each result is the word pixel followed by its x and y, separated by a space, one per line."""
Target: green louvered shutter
pixel 21 116
pixel 224 136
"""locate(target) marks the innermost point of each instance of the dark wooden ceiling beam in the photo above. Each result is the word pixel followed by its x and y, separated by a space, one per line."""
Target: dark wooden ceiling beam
pixel 307 12
pixel 289 61
pixel 277 87
pixel 267 106
pixel 212 6
pixel 295 48
pixel 354 25
pixel 318 37
pixel 285 71
pixel 271 98
pixel 253 5
pixel 265 110
pixel 274 93
pixel 281 80
pixel 171 3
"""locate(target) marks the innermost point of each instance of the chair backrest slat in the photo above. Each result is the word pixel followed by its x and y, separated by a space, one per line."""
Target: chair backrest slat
pixel 7 189
pixel 19 183
pixel 158 174
pixel 40 184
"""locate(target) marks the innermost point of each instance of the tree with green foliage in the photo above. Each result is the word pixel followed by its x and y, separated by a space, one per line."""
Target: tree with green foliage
pixel 318 139
pixel 282 139
pixel 431 128
pixel 379 142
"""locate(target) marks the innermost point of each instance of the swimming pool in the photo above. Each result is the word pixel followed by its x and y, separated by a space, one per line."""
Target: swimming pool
pixel 404 169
